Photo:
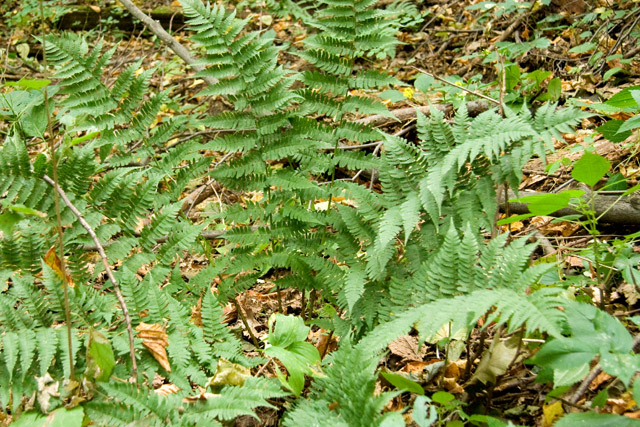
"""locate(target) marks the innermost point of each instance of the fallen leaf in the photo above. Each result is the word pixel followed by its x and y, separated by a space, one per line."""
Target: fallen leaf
pixel 156 340
pixel 228 373
pixel 496 360
pixel 167 389
pixel 407 348
pixel 52 260
pixel 550 413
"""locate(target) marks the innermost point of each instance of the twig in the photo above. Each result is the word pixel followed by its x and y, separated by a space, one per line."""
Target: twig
pixel 473 92
pixel 592 375
pixel 174 45
pixel 402 114
pixel 107 267
pixel 511 28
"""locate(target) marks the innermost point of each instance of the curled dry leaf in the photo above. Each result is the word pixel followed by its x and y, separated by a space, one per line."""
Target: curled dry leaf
pixel 167 389
pixel 156 340
pixel 52 260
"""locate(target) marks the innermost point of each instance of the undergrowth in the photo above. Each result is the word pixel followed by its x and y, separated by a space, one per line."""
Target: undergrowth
pixel 409 254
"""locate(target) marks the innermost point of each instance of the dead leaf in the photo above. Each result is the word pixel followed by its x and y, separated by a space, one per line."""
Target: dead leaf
pixel 496 360
pixel 407 348
pixel 156 340
pixel 196 313
pixel 601 378
pixel 167 389
pixel 452 386
pixel 47 388
pixel 52 260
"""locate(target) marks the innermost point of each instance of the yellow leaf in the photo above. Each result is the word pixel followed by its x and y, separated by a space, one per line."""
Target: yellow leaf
pixel 550 413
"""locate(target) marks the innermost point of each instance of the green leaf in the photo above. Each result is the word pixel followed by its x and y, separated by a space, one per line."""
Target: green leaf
pixel 554 89
pixel 61 417
pixel 610 73
pixel 392 95
pixel 29 84
pixel 7 221
pixel 609 130
pixel 442 397
pixel 631 124
pixel 419 413
pixel 403 383
pixel 287 330
pixel 590 168
pixel 354 285
pixel 512 76
pixel 589 419
pixel 423 82
pixel 583 48
pixel 100 358
pixel 22 209
pixel 616 182
pixel 624 99
pixel 545 204
pixel 636 390
pixel 601 399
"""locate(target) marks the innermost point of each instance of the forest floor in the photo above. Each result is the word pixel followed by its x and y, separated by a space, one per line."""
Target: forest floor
pixel 452 42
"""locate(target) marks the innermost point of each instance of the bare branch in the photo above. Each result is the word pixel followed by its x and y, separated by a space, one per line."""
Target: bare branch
pixel 107 268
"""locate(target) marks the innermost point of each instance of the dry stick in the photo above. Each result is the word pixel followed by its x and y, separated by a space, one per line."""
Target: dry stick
pixel 107 268
pixel 592 375
pixel 473 92
pixel 174 45
pixel 402 114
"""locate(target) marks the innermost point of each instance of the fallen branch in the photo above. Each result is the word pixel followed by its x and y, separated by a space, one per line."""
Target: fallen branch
pixel 613 211
pixel 107 268
pixel 172 43
pixel 403 114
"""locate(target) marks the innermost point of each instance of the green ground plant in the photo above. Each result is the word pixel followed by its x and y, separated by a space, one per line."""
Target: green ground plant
pixel 409 256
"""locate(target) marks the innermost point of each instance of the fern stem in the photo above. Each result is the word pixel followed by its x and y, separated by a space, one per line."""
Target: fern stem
pixel 243 318
pixel 56 198
pixel 107 267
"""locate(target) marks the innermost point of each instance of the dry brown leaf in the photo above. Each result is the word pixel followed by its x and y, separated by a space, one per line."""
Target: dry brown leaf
pixel 452 386
pixel 601 378
pixel 415 367
pixel 167 389
pixel 196 313
pixel 156 340
pixel 633 415
pixel 407 348
pixel 52 260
